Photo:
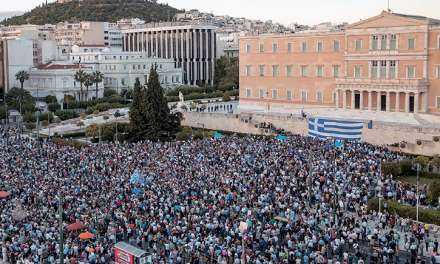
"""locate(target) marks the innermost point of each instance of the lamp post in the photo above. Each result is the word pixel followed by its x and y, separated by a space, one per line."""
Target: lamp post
pixel 60 212
pixel 417 192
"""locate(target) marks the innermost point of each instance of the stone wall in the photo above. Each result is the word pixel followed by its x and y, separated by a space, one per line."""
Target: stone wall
pixel 380 134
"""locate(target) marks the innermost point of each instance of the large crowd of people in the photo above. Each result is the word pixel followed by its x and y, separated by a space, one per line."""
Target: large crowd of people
pixel 302 201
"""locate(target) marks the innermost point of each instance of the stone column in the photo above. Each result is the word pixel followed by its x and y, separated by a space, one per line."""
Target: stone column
pixel 166 44
pixel 157 44
pixel 397 101
pixel 425 102
pixel 207 44
pixel 378 103
pixel 361 100
pixel 370 101
pixel 407 102
pixel 337 98
pixel 388 106
pixel 416 102
pixel 352 99
pixel 213 55
pixel 187 57
pixel 344 99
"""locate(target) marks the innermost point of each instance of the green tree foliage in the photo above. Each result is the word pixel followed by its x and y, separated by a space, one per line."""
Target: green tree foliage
pixel 21 76
pixel 66 114
pixel 13 97
pixel 162 125
pixel 88 82
pixel 50 99
pixel 97 78
pixel 138 125
pixel 95 10
pixel 226 73
pixel 109 93
pixel 53 107
pixel 434 192
pixel 81 76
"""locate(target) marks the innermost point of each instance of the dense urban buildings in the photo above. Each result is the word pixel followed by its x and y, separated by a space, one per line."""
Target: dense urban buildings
pixel 390 62
pixel 192 46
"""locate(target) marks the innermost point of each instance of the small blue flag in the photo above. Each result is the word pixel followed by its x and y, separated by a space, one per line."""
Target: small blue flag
pixel 281 137
pixel 339 143
pixel 217 135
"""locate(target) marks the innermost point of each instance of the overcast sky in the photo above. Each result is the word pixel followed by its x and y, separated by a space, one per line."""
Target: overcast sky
pixel 285 11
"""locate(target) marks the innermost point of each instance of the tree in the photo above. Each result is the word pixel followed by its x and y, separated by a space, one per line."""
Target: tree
pixel 97 78
pixel 80 76
pixel 21 76
pixel 137 113
pixel 13 100
pixel 162 125
pixel 88 82
pixel 226 73
pixel 50 99
pixel 109 92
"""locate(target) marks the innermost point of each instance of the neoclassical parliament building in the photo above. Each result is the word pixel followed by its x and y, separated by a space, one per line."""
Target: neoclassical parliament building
pixel 390 62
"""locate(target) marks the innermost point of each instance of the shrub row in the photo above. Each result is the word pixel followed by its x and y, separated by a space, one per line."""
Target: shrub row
pixel 428 216
pixel 405 168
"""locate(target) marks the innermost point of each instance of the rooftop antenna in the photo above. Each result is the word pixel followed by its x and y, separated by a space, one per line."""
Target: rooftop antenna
pixel 389 10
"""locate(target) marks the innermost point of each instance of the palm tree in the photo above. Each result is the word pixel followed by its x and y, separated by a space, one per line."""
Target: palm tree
pixel 80 76
pixel 21 76
pixel 88 81
pixel 97 78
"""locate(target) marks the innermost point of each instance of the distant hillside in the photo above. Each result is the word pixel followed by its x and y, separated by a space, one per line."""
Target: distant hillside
pixel 95 10
pixel 5 15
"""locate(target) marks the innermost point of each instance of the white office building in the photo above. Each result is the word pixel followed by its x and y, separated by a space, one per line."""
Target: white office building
pixel 122 68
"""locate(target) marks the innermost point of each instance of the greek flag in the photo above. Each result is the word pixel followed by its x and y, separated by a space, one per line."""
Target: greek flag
pixel 324 128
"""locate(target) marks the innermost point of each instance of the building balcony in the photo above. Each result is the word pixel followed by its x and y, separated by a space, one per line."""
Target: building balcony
pixel 402 85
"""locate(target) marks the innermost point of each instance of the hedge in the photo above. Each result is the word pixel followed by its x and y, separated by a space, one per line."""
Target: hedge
pixel 405 168
pixel 428 216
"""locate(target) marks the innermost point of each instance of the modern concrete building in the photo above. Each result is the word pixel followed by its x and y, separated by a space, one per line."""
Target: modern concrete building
pixel 121 69
pixel 390 62
pixel 191 46
pixel 83 33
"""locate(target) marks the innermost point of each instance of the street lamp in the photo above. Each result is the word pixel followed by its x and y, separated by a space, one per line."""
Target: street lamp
pixel 417 192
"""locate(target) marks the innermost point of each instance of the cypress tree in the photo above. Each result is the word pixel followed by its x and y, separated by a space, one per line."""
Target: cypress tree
pixel 162 125
pixel 137 113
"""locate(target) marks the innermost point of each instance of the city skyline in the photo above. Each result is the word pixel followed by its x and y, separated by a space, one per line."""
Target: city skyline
pixel 287 12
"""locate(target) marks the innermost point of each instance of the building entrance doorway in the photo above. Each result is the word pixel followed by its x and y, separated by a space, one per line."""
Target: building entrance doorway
pixel 383 103
pixel 357 101
pixel 411 104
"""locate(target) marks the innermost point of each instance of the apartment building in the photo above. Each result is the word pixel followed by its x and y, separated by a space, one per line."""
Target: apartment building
pixel 390 62
pixel 191 46
pixel 83 33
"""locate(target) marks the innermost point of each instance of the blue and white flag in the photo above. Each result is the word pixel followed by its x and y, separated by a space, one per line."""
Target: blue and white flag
pixel 323 128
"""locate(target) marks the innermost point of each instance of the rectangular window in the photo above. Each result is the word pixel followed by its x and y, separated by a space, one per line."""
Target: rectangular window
pixel 319 71
pixel 393 42
pixel 261 70
pixel 289 70
pixel 336 71
pixel 319 96
pixel 274 47
pixel 383 69
pixel 336 45
pixel 289 95
pixel 374 42
pixel 438 102
pixel 357 71
pixel 374 68
pixel 248 70
pixel 437 71
pixel 289 47
pixel 275 70
pixel 304 46
pixel 303 71
pixel 411 43
pixel 248 93
pixel 261 47
pixel 411 72
pixel 274 94
pixel 383 42
pixel 261 93
pixel 248 48
pixel 392 69
pixel 319 46
pixel 358 44
pixel 304 96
